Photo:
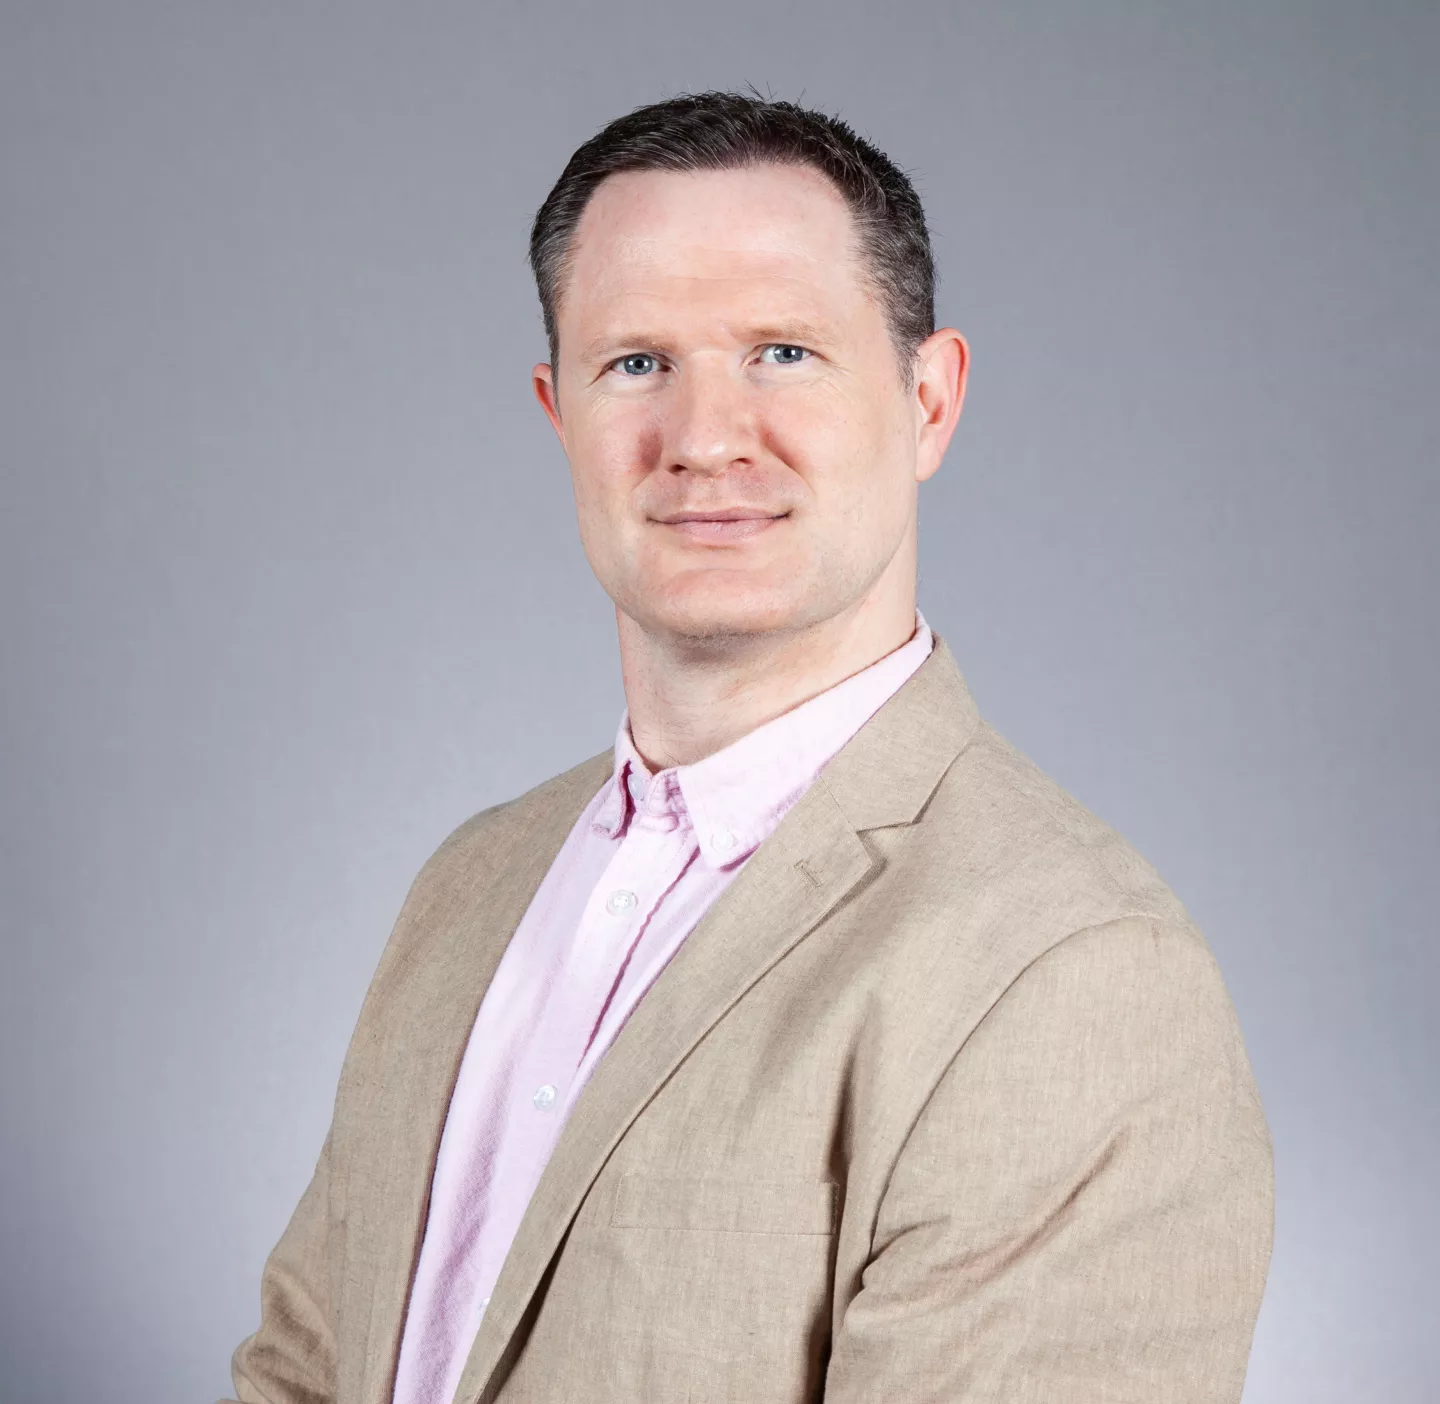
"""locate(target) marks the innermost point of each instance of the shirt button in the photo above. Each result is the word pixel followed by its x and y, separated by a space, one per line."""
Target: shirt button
pixel 620 901
pixel 723 840
pixel 637 786
pixel 544 1099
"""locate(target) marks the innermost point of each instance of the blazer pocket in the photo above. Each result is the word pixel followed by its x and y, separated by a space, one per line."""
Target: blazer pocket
pixel 707 1204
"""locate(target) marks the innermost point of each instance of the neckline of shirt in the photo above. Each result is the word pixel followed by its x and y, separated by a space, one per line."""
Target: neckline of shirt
pixel 735 798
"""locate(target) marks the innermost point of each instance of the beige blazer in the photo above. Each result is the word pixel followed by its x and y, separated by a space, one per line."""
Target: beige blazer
pixel 943 1100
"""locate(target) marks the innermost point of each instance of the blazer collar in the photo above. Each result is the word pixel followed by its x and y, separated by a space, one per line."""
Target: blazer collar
pixel 892 766
pixel 882 777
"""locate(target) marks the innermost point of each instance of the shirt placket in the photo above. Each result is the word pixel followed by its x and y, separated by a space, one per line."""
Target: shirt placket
pixel 658 847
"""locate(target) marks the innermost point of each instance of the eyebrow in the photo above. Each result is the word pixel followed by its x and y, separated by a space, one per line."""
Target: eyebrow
pixel 788 333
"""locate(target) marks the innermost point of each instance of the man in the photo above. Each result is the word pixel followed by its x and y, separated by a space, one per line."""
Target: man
pixel 809 1044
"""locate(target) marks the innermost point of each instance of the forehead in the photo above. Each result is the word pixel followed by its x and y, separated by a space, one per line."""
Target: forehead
pixel 778 238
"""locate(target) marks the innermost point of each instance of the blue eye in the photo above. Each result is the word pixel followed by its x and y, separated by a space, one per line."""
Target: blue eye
pixel 639 364
pixel 785 355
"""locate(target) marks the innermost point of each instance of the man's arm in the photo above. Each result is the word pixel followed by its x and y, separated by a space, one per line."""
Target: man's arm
pixel 291 1358
pixel 1083 1211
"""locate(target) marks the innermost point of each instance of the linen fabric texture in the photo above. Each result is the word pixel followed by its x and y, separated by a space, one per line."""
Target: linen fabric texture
pixel 943 1099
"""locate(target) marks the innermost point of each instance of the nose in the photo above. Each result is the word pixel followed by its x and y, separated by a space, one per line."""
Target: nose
pixel 710 425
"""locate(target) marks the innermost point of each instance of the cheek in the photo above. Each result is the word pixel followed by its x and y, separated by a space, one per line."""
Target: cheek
pixel 611 450
pixel 844 448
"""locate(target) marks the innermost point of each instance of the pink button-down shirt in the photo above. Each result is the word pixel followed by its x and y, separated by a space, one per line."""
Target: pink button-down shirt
pixel 641 866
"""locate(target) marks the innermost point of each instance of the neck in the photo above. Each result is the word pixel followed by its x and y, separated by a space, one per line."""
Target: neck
pixel 690 697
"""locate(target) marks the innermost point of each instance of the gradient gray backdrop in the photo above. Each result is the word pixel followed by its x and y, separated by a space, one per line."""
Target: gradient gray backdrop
pixel 290 583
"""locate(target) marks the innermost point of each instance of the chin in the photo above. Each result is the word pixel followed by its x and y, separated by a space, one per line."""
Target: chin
pixel 711 607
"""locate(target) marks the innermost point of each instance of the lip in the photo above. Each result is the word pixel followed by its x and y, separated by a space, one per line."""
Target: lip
pixel 721 526
pixel 721 514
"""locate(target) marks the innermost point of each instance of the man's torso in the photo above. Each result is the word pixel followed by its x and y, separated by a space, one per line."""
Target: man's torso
pixel 708 1216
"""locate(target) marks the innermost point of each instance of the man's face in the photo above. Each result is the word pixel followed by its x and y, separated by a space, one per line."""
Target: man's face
pixel 744 451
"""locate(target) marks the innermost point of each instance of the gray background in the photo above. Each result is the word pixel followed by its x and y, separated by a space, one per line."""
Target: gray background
pixel 290 585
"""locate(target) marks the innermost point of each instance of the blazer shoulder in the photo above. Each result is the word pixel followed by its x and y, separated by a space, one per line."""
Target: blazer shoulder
pixel 1006 882
pixel 483 840
pixel 457 875
pixel 1041 853
pixel 467 860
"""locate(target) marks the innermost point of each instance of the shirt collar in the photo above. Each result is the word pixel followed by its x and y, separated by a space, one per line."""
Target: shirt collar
pixel 736 798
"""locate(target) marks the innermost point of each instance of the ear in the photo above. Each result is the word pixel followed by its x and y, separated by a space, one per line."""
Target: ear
pixel 942 363
pixel 542 381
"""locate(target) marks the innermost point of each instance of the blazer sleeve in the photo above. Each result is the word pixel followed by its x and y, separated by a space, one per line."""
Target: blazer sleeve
pixel 1083 1210
pixel 291 1359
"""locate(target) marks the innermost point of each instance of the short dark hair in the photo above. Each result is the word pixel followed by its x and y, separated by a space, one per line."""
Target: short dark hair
pixel 719 131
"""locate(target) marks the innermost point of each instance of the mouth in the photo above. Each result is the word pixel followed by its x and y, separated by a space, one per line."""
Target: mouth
pixel 720 525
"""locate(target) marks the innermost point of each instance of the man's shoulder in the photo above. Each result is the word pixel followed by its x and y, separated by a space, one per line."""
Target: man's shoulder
pixel 997 823
pixel 461 874
pixel 484 839
pixel 1005 881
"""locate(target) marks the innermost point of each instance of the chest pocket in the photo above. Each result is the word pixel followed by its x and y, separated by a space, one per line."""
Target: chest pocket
pixel 688 1290
pixel 723 1286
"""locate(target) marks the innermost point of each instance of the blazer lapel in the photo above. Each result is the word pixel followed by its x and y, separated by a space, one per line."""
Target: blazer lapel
pixel 792 882
pixel 450 961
